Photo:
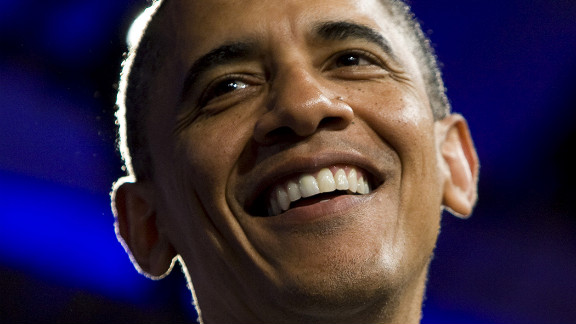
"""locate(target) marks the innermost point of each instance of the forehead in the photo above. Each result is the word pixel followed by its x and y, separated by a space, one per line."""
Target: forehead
pixel 200 25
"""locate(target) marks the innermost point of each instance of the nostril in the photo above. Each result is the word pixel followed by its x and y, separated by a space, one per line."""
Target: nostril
pixel 281 134
pixel 333 123
pixel 288 134
pixel 294 117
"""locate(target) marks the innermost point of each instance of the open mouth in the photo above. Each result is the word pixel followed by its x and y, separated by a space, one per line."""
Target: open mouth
pixel 310 188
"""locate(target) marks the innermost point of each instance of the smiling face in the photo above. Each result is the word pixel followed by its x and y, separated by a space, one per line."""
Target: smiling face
pixel 298 170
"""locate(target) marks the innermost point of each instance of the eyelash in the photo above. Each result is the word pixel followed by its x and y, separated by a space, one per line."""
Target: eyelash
pixel 215 90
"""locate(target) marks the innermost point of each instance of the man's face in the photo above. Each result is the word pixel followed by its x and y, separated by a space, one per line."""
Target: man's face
pixel 257 98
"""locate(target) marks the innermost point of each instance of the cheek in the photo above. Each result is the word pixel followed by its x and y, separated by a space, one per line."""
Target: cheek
pixel 195 182
pixel 208 151
pixel 404 123
pixel 396 115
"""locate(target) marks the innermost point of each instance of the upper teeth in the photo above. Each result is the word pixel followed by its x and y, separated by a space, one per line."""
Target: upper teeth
pixel 308 184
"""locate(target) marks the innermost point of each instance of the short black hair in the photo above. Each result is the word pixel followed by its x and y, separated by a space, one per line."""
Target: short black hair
pixel 144 60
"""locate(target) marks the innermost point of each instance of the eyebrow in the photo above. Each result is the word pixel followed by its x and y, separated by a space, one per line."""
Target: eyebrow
pixel 238 51
pixel 342 30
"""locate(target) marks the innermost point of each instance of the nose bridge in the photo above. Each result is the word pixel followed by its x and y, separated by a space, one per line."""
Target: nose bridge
pixel 299 104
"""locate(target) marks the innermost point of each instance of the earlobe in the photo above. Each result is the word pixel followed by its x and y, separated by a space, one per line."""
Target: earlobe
pixel 136 225
pixel 460 162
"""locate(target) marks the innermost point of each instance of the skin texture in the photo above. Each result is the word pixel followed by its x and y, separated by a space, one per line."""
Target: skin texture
pixel 299 105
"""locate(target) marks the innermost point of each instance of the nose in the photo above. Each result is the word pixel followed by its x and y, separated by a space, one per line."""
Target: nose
pixel 299 106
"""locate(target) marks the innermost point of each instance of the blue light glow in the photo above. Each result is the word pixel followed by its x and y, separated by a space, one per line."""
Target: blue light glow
pixel 64 235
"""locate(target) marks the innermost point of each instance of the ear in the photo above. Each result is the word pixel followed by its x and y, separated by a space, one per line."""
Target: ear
pixel 136 225
pixel 460 164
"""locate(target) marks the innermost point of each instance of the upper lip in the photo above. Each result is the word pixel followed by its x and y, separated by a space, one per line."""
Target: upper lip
pixel 282 166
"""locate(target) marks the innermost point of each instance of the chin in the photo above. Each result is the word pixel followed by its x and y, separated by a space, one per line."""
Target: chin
pixel 351 275
pixel 339 281
pixel 338 293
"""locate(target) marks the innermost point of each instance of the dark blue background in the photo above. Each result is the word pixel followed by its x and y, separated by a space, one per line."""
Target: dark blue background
pixel 509 65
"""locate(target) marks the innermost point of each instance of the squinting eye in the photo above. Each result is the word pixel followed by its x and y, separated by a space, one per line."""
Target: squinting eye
pixel 353 59
pixel 221 88
pixel 226 86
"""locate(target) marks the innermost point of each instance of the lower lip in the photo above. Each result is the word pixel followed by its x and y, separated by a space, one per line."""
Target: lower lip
pixel 324 210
